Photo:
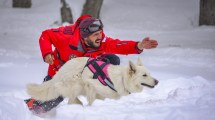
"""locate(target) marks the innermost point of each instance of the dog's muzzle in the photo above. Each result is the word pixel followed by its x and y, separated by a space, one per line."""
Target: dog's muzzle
pixel 156 82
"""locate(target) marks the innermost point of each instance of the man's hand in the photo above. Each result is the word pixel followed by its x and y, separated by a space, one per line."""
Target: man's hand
pixel 147 43
pixel 49 58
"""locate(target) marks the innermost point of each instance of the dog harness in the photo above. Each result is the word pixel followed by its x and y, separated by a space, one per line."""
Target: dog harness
pixel 99 69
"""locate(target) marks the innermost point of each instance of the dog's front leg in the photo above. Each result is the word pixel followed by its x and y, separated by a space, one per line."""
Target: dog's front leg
pixel 75 101
pixel 99 97
pixel 91 97
pixel 90 93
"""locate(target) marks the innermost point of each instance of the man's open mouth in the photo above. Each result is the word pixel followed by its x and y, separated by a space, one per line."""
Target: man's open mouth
pixel 98 41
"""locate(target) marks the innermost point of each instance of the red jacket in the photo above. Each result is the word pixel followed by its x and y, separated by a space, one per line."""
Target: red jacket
pixel 68 44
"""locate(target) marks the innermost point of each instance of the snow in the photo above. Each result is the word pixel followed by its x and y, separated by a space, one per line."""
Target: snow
pixel 184 61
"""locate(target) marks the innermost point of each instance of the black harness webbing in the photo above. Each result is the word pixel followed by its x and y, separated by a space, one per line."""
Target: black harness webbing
pixel 96 74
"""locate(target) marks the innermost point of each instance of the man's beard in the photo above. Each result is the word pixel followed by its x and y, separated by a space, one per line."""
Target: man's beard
pixel 91 44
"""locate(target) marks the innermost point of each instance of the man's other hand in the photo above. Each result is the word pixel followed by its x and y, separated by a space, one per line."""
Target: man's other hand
pixel 147 43
pixel 49 58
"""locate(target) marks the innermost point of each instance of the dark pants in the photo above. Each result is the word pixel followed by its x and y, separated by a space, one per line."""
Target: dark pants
pixel 111 58
pixel 48 105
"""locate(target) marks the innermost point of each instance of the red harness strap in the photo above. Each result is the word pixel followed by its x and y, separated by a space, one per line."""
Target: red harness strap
pixel 99 69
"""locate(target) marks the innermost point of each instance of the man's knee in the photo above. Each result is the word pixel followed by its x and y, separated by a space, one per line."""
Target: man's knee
pixel 47 78
pixel 112 58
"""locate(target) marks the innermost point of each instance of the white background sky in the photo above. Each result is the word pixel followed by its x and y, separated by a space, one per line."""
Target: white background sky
pixel 184 61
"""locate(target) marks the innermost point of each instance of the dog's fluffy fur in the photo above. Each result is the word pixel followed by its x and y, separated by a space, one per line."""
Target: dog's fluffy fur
pixel 74 79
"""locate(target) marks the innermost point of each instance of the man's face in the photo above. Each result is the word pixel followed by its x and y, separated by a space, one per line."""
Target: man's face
pixel 94 40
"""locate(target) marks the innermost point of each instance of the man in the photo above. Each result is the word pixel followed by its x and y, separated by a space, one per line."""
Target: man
pixel 84 38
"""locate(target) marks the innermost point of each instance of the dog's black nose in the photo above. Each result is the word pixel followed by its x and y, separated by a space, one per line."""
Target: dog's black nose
pixel 156 82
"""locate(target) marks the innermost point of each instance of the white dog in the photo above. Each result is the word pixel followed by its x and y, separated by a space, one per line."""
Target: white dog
pixel 75 79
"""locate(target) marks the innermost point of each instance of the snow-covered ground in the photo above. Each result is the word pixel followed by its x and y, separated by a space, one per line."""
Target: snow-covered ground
pixel 184 61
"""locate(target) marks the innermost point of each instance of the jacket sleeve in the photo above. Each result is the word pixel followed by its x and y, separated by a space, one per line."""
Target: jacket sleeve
pixel 116 46
pixel 45 43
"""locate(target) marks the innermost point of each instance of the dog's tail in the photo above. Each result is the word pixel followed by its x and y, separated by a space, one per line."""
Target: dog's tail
pixel 43 92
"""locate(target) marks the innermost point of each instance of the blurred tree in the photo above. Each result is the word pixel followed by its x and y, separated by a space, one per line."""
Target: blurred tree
pixel 22 3
pixel 66 14
pixel 92 7
pixel 207 12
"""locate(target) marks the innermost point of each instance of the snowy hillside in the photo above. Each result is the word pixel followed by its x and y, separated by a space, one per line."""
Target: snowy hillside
pixel 184 61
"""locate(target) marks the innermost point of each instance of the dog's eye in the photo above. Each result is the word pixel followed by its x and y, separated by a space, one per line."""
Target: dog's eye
pixel 144 75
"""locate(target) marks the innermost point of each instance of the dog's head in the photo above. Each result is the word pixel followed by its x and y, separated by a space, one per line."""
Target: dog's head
pixel 138 77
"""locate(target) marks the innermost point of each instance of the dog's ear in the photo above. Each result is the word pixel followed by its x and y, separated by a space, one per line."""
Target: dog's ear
pixel 132 68
pixel 139 62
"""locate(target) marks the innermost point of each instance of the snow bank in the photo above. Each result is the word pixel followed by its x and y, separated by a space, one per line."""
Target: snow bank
pixel 183 63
